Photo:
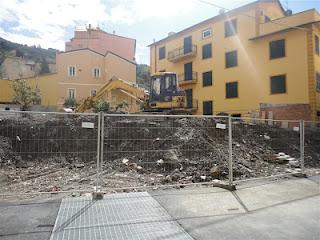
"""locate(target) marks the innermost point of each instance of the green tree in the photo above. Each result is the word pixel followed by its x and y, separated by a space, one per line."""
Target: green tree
pixel 70 103
pixel 24 94
pixel 101 106
pixel 122 105
pixel 44 67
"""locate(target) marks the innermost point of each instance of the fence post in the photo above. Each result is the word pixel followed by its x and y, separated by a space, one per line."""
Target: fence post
pixel 302 145
pixel 230 151
pixel 101 142
pixel 98 153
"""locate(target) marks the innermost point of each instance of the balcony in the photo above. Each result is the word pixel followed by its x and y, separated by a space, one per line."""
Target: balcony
pixel 182 53
pixel 187 78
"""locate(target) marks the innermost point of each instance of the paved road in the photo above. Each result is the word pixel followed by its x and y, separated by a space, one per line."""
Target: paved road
pixel 28 220
pixel 259 210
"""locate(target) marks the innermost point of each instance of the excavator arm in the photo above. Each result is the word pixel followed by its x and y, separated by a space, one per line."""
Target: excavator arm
pixel 115 83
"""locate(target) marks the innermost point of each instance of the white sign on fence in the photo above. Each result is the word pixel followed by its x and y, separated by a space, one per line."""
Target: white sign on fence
pixel 87 125
pixel 221 126
pixel 296 129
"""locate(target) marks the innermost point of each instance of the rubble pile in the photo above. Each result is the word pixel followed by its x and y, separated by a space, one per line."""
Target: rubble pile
pixel 54 153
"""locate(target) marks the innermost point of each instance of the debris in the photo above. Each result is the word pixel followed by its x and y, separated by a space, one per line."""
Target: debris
pixel 125 161
pixel 266 137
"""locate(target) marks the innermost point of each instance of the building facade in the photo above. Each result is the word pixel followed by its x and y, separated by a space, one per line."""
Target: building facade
pixel 102 42
pixel 256 60
pixel 90 60
pixel 81 73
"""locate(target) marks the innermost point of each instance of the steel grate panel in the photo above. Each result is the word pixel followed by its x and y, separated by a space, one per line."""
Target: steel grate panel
pixel 117 216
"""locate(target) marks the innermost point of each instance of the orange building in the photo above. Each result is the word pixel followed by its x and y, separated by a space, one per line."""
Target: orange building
pixel 81 73
pixel 102 42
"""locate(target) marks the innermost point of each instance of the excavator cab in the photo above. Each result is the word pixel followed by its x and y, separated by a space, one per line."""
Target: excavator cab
pixel 164 92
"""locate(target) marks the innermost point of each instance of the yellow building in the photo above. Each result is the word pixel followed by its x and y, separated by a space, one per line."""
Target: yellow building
pixel 47 84
pixel 253 60
pixel 81 73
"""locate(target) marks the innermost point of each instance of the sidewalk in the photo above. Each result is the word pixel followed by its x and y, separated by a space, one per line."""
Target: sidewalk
pixel 283 209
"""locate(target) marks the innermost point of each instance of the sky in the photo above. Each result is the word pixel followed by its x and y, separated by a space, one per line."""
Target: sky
pixel 50 23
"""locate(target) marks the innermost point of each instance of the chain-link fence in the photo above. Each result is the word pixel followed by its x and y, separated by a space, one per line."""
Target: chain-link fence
pixel 63 152
pixel 47 152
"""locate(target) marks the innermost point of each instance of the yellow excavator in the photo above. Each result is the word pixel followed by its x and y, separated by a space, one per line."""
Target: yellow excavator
pixel 125 88
pixel 164 96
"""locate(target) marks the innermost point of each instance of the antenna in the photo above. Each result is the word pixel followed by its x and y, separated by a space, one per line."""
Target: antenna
pixel 286 4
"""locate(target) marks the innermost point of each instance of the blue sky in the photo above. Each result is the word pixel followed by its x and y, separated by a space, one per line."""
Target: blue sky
pixel 51 22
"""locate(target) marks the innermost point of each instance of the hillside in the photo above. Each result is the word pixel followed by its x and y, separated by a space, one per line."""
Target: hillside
pixel 34 53
pixel 143 76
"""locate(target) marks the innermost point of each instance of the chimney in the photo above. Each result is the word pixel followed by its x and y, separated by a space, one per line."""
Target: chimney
pixel 171 33
pixel 114 32
pixel 222 11
pixel 289 12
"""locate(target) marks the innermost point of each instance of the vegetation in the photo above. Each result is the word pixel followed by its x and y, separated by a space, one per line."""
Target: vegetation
pixel 44 67
pixel 101 106
pixel 35 53
pixel 70 103
pixel 143 76
pixel 25 95
pixel 122 105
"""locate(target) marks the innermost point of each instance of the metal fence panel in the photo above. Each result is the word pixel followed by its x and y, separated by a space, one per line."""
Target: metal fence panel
pixel 265 148
pixel 47 152
pixel 155 150
pixel 311 146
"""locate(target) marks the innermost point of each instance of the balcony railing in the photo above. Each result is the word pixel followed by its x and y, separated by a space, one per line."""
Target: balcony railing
pixel 187 78
pixel 182 53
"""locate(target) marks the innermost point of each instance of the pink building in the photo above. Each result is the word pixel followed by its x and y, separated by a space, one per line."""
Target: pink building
pixel 102 42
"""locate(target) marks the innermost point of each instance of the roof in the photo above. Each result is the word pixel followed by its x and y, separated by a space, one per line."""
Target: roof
pixel 217 17
pixel 103 55
pixel 282 30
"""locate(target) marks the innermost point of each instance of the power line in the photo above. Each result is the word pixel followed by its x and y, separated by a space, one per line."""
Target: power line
pixel 271 21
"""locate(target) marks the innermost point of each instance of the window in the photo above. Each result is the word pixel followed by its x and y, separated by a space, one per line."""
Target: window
pixel 188 71
pixel 318 81
pixel 317 43
pixel 207 108
pixel 93 92
pixel 162 53
pixel 278 84
pixel 207 79
pixel 231 59
pixel 71 93
pixel 96 72
pixel 207 33
pixel 230 28
pixel 72 71
pixel 267 19
pixel 232 90
pixel 206 51
pixel 187 45
pixel 277 49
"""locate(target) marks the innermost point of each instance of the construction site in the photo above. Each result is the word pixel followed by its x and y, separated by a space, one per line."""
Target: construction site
pixel 213 134
pixel 136 158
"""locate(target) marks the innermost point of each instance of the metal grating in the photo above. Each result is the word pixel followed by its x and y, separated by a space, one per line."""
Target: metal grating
pixel 117 216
